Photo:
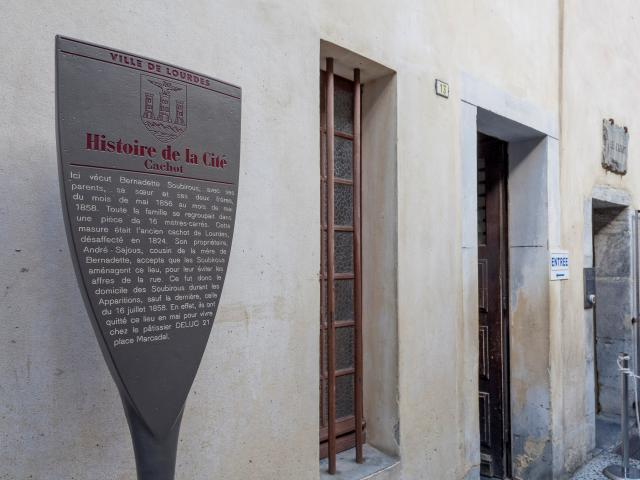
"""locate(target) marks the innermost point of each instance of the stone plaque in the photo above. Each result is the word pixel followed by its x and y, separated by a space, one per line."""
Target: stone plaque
pixel 615 147
pixel 149 160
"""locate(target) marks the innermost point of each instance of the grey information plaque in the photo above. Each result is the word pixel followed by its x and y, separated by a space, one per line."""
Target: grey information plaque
pixel 149 160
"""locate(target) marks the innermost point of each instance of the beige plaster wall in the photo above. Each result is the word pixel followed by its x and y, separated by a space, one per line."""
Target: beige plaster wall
pixel 253 409
pixel 252 412
pixel 600 73
pixel 513 46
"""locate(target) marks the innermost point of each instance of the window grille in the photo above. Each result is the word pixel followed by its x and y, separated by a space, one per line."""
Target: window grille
pixel 340 267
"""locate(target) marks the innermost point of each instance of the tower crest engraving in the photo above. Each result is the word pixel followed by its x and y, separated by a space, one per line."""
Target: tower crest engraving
pixel 163 107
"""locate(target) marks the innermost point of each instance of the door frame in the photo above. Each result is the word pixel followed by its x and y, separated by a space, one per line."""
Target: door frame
pixel 622 198
pixel 535 336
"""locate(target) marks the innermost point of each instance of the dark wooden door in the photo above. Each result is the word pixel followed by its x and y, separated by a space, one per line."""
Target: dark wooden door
pixel 493 306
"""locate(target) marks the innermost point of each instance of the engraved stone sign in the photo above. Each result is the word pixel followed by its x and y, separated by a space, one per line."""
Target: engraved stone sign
pixel 149 162
pixel 615 147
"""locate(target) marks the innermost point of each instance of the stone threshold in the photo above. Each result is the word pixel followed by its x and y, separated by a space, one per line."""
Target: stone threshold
pixel 376 463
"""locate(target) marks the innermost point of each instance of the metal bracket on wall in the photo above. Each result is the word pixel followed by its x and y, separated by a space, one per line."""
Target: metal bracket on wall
pixel 589 287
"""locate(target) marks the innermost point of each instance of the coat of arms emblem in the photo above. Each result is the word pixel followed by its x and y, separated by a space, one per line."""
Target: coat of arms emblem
pixel 163 107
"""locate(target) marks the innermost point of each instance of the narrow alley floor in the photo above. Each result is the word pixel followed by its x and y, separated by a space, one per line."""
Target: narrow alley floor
pixel 609 444
pixel 592 470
